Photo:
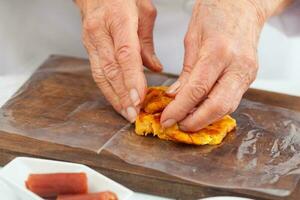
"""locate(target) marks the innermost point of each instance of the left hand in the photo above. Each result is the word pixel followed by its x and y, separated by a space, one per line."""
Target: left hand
pixel 118 36
pixel 220 62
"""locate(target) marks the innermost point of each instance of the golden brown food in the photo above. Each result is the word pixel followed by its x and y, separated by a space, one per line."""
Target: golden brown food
pixel 148 122
pixel 156 100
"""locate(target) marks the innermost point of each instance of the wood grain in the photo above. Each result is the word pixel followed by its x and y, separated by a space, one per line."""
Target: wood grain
pixel 55 91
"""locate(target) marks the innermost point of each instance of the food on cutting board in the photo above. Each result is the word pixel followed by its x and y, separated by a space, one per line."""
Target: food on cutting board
pixel 92 196
pixel 148 122
pixel 64 186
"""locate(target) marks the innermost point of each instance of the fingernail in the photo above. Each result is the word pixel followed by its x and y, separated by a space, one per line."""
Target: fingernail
pixel 183 128
pixel 173 88
pixel 123 113
pixel 168 123
pixel 134 96
pixel 156 61
pixel 131 113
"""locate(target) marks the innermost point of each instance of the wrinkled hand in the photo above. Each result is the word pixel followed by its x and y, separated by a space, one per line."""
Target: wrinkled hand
pixel 118 37
pixel 220 61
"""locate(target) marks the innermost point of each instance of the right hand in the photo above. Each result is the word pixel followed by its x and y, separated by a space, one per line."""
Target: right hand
pixel 118 36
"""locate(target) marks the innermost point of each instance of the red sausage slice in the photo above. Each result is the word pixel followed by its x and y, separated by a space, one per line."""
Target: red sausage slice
pixel 52 185
pixel 93 196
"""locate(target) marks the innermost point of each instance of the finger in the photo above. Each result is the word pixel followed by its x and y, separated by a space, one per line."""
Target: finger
pixel 147 16
pixel 127 53
pixel 114 74
pixel 109 70
pixel 223 99
pixel 192 44
pixel 202 78
pixel 99 78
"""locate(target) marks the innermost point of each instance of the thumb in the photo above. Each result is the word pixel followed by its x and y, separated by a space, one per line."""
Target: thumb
pixel 147 16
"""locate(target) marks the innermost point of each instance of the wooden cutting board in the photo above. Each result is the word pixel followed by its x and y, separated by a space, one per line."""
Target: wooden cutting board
pixel 62 92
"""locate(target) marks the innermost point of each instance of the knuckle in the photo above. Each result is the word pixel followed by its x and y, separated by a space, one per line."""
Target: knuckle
pixel 191 39
pixel 111 71
pixel 90 25
pixel 187 68
pixel 219 49
pixel 222 46
pixel 239 76
pixel 222 108
pixel 98 76
pixel 198 90
pixel 124 97
pixel 188 41
pixel 123 53
pixel 152 11
pixel 247 62
pixel 223 49
pixel 92 22
pixel 252 65
pixel 147 43
pixel 130 72
pixel 148 8
pixel 245 70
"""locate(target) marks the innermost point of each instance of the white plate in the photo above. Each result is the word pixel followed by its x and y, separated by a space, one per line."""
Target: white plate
pixel 15 173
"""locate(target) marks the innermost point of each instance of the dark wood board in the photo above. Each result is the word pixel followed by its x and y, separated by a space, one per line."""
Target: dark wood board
pixel 137 178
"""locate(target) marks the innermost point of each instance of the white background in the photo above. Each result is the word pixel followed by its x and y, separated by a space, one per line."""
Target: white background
pixel 31 30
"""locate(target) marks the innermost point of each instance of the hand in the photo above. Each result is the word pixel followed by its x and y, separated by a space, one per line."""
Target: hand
pixel 118 36
pixel 220 61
